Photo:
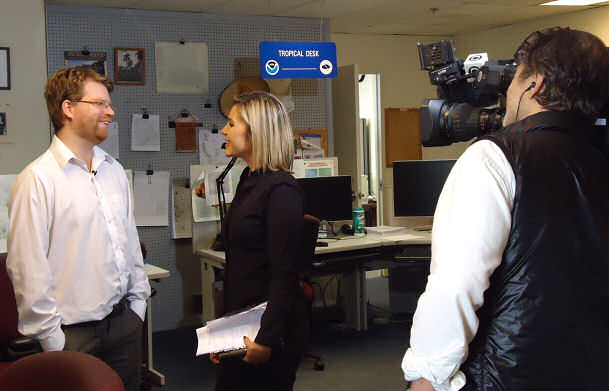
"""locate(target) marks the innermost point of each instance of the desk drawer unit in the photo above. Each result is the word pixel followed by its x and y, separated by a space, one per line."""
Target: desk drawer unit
pixel 410 268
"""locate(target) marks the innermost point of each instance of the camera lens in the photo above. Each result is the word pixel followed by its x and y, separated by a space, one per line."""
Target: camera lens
pixel 443 123
pixel 465 121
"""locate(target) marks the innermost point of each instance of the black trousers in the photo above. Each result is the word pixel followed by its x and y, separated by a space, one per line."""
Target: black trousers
pixel 277 374
pixel 116 339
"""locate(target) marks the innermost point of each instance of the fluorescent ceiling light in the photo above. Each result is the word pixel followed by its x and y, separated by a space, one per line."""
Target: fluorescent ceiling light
pixel 574 2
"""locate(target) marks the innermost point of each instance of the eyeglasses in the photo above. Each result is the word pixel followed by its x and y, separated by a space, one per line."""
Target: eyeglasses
pixel 98 103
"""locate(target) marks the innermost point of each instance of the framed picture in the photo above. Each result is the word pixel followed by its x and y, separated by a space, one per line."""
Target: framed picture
pixel 130 66
pixel 93 60
pixel 2 124
pixel 5 68
pixel 6 132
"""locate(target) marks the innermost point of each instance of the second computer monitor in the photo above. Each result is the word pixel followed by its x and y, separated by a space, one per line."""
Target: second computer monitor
pixel 327 198
pixel 417 185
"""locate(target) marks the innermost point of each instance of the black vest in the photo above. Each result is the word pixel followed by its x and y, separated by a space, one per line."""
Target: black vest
pixel 544 324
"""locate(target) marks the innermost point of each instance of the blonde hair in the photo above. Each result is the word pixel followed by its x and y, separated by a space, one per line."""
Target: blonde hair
pixel 67 84
pixel 270 130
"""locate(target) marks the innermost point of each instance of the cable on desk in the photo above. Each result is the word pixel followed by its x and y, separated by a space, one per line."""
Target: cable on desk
pixel 313 284
pixel 332 228
pixel 323 293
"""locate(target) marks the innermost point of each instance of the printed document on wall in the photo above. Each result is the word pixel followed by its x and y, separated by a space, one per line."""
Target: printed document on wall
pixel 203 185
pixel 313 168
pixel 151 198
pixel 181 208
pixel 211 191
pixel 210 147
pixel 145 133
pixel 182 67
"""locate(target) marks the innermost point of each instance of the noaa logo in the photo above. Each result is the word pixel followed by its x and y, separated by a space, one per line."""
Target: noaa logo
pixel 272 67
pixel 325 67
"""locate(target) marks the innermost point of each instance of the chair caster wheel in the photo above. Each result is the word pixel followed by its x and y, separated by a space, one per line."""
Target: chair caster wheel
pixel 319 366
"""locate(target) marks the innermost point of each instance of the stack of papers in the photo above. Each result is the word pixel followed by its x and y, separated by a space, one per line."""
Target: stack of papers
pixel 227 333
pixel 383 230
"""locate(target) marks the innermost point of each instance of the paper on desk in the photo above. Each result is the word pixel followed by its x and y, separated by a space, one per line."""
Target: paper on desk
pixel 227 333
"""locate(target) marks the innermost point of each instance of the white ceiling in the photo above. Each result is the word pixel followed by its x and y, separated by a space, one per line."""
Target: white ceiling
pixel 405 17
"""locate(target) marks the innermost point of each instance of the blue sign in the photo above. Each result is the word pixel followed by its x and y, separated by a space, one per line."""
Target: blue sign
pixel 297 60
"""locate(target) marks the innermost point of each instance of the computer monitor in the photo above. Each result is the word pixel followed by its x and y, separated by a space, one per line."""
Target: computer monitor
pixel 327 198
pixel 417 185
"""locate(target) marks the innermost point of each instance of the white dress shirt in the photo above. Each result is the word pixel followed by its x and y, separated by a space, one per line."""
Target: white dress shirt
pixel 73 249
pixel 471 226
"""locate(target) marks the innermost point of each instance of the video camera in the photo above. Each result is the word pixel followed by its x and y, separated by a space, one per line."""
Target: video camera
pixel 469 94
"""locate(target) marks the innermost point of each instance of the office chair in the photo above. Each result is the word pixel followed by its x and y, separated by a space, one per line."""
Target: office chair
pixel 60 371
pixel 310 231
pixel 8 308
pixel 12 344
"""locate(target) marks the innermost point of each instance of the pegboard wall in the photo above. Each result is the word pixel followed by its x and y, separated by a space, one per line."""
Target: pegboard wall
pixel 233 52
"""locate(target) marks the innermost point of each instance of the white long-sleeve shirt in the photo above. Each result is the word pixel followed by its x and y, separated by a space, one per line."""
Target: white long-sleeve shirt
pixel 73 249
pixel 471 226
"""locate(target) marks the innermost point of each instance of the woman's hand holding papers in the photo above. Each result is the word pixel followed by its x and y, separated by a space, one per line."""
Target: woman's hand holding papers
pixel 256 353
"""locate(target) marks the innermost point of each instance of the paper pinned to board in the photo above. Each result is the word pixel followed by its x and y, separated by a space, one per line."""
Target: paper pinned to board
pixel 182 67
pixel 313 168
pixel 145 133
pixel 227 333
pixel 211 192
pixel 181 208
pixel 210 147
pixel 151 198
pixel 311 146
pixel 201 211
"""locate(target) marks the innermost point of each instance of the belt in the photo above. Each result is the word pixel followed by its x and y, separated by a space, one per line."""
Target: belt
pixel 117 309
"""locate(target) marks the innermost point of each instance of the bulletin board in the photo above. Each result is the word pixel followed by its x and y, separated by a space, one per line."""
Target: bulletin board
pixel 402 135
pixel 232 43
pixel 321 132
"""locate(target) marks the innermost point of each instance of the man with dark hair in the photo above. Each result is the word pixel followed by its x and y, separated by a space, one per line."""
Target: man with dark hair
pixel 73 250
pixel 519 285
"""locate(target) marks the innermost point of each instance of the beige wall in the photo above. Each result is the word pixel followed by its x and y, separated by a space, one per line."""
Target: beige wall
pixel 500 43
pixel 22 28
pixel 403 84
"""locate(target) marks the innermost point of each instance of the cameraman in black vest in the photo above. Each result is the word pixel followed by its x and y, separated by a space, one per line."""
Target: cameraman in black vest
pixel 518 295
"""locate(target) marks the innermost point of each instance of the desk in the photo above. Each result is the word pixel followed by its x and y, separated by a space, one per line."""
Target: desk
pixel 153 273
pixel 351 257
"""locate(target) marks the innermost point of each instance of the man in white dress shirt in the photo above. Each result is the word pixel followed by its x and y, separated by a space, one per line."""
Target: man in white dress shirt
pixel 517 295
pixel 73 250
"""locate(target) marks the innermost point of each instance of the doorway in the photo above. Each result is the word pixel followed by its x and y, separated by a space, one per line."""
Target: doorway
pixel 370 115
